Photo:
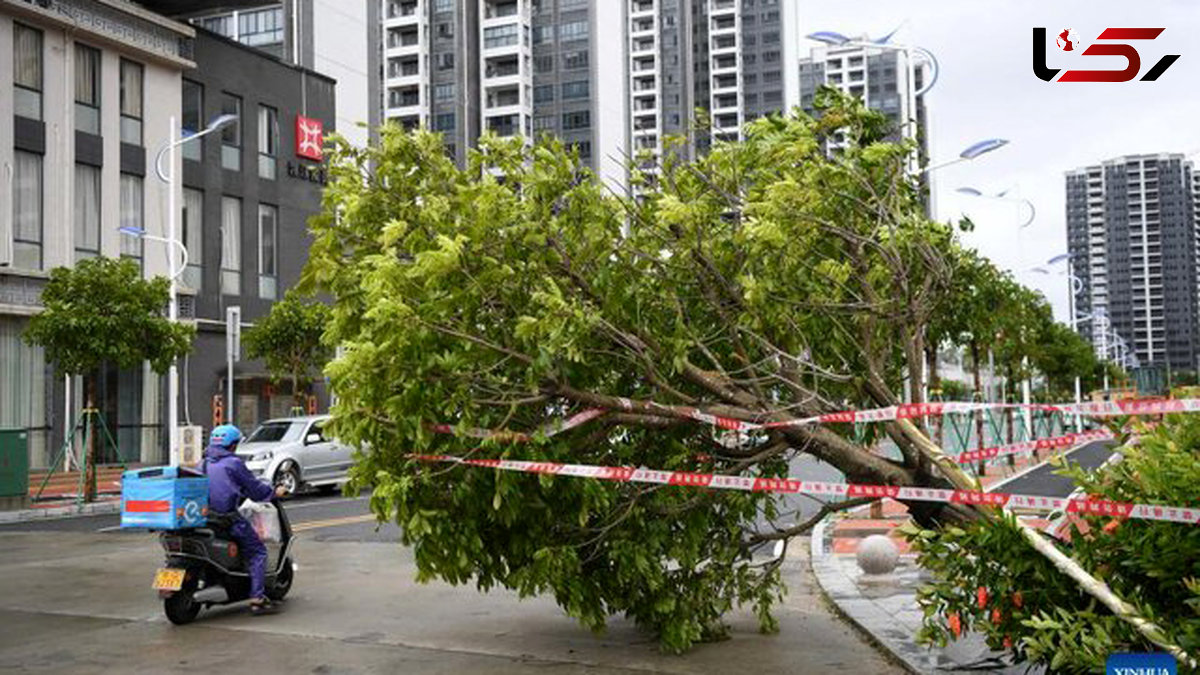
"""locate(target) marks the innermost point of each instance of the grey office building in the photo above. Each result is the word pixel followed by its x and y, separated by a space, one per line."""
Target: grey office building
pixel 337 39
pixel 1132 234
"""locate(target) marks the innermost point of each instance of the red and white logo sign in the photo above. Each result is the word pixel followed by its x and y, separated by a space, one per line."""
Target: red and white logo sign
pixel 310 136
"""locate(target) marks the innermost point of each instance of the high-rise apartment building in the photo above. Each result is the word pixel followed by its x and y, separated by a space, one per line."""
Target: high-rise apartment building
pixel 1133 238
pixel 512 67
pixel 337 39
pixel 880 77
pixel 610 77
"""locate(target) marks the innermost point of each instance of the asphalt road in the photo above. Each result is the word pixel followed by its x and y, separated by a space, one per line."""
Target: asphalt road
pixel 1042 479
pixel 321 518
pixel 75 598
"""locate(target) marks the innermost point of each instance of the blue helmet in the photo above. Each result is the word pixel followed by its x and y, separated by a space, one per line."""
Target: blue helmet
pixel 225 436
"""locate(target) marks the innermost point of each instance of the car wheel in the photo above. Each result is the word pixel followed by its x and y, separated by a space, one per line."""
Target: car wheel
pixel 288 478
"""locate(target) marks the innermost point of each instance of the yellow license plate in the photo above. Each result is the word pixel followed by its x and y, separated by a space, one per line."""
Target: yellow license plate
pixel 168 579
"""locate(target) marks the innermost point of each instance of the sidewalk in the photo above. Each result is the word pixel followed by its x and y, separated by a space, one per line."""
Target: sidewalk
pixel 884 606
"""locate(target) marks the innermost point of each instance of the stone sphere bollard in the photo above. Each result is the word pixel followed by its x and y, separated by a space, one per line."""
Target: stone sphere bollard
pixel 877 554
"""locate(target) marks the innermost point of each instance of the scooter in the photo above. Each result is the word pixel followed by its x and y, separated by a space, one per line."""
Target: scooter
pixel 203 568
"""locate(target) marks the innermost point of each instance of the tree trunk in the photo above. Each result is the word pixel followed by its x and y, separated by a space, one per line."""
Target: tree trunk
pixel 978 395
pixel 91 419
pixel 935 385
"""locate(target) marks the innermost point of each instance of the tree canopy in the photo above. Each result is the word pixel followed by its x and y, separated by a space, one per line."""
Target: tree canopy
pixel 103 312
pixel 288 340
pixel 770 279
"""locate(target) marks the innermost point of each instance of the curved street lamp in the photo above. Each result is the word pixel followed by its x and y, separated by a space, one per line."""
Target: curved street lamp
pixel 168 150
pixel 971 152
pixel 1002 196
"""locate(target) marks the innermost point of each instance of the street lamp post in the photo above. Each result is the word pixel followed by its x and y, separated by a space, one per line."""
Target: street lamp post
pixel 172 181
pixel 1002 196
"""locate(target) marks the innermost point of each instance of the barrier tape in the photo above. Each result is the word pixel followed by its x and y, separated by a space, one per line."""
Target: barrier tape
pixel 1030 446
pixel 888 414
pixel 1087 505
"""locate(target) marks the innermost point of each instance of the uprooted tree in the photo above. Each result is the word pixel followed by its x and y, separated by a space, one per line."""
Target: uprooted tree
pixel 768 280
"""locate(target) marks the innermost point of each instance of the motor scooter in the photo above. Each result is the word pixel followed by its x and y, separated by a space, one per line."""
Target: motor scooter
pixel 204 568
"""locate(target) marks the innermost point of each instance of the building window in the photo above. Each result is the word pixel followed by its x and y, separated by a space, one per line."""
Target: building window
pixel 500 36
pixel 193 237
pixel 543 93
pixel 446 61
pixel 444 122
pixel 87 211
pixel 261 27
pixel 543 63
pixel 543 34
pixel 543 123
pixel 221 25
pixel 231 246
pixel 268 234
pixel 193 114
pixel 443 92
pixel 132 208
pixel 231 134
pixel 574 30
pixel 131 102
pixel 576 120
pixel 583 147
pixel 27 72
pixel 577 89
pixel 27 210
pixel 443 5
pixel 574 60
pixel 87 89
pixel 268 141
pixel 445 30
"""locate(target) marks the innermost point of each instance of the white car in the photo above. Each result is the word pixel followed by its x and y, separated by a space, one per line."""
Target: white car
pixel 294 453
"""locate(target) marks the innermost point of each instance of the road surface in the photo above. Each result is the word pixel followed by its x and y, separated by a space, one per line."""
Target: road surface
pixel 75 598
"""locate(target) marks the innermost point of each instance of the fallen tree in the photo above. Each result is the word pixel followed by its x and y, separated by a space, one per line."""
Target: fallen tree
pixel 769 279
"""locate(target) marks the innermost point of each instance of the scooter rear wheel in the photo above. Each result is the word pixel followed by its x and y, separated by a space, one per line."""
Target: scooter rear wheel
pixel 283 582
pixel 181 607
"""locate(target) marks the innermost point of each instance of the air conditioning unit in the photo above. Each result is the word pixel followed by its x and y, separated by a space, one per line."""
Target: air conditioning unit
pixel 191 445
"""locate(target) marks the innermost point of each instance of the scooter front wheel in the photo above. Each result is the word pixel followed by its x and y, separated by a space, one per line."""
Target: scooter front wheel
pixel 181 607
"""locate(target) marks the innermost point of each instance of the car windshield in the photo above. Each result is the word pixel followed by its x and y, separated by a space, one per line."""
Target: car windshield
pixel 275 432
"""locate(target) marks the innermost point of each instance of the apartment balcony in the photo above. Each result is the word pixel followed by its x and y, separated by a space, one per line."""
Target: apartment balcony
pixel 640 46
pixel 718 44
pixel 725 102
pixel 645 124
pixel 504 125
pixel 723 63
pixel 642 26
pixel 722 7
pixel 397 12
pixel 503 97
pixel 643 64
pixel 722 25
pixel 642 104
pixel 726 121
pixel 645 83
pixel 502 70
pixel 726 82
pixel 403 71
pixel 407 120
pixel 403 41
pixel 640 7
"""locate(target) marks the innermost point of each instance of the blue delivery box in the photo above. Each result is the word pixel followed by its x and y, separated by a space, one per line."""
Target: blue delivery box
pixel 164 498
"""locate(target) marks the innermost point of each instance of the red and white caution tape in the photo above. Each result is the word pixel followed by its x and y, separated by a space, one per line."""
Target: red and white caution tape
pixel 1066 441
pixel 888 414
pixel 1087 506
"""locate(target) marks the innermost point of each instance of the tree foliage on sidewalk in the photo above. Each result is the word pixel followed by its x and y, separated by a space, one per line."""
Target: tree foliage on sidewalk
pixel 289 341
pixel 103 312
pixel 987 580
pixel 764 281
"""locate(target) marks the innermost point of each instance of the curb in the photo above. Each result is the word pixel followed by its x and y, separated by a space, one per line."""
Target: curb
pixel 60 512
pixel 826 580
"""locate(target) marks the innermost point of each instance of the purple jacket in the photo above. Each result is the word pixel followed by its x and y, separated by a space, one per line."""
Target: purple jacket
pixel 229 481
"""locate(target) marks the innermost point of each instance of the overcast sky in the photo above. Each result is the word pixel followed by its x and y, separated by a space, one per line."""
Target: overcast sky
pixel 987 89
